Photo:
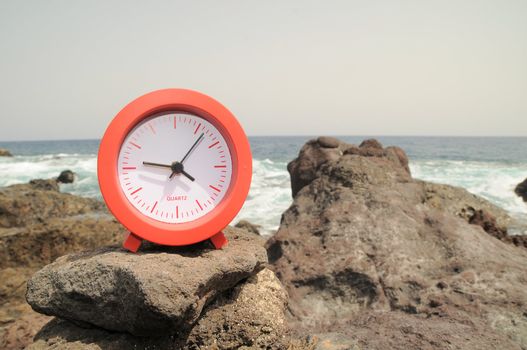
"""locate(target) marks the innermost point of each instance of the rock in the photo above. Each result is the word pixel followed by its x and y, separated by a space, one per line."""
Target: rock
pixel 39 201
pixel 364 238
pixel 44 184
pixel 66 177
pixel 157 291
pixel 61 334
pixel 252 314
pixel 398 330
pixel 5 153
pixel 371 148
pixel 328 142
pixel 461 203
pixel 521 190
pixel 40 244
pixel 37 225
pixel 20 333
pixel 303 169
pixel 313 156
pixel 488 223
pixel 397 154
pixel 334 341
pixel 249 316
pixel 248 226
pixel 372 144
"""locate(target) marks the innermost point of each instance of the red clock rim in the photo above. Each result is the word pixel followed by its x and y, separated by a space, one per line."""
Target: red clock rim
pixel 185 101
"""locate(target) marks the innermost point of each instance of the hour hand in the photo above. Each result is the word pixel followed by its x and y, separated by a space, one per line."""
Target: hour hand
pixel 157 164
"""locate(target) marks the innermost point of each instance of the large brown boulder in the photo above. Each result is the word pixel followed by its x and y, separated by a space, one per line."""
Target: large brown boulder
pixel 157 291
pixel 363 236
pixel 192 297
pixel 249 316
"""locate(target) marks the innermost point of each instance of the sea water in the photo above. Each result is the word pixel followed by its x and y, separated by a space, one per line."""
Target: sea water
pixel 490 167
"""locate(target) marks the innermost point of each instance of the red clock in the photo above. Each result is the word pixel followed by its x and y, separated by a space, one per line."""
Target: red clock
pixel 174 167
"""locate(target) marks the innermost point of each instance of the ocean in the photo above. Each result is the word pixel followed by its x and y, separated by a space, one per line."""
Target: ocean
pixel 490 167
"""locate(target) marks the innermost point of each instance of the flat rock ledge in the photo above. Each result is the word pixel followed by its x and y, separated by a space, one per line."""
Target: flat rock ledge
pixel 158 291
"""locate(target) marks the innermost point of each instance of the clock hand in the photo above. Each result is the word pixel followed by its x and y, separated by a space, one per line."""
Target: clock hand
pixel 190 177
pixel 178 166
pixel 192 148
pixel 187 175
pixel 157 164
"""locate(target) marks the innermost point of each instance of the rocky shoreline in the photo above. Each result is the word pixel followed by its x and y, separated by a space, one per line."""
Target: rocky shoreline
pixel 366 257
pixel 38 224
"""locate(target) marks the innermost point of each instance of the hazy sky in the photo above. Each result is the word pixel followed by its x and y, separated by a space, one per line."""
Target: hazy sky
pixel 282 67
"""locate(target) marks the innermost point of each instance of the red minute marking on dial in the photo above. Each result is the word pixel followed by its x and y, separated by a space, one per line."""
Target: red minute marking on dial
pixel 215 188
pixel 139 189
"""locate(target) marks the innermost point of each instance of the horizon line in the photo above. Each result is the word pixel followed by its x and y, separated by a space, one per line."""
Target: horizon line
pixel 306 135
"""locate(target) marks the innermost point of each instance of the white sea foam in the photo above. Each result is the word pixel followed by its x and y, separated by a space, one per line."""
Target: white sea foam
pixel 270 193
pixel 493 181
pixel 269 196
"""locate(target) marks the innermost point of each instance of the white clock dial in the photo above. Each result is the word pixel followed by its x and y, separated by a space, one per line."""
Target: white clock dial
pixel 174 167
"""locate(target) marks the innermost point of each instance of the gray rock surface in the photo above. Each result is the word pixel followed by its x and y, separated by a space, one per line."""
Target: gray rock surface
pixel 157 291
pixel 250 316
pixel 402 331
pixel 363 236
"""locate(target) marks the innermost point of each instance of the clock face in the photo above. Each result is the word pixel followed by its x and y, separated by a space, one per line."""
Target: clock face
pixel 174 167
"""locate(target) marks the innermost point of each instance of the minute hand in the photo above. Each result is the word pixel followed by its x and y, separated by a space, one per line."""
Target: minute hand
pixel 192 148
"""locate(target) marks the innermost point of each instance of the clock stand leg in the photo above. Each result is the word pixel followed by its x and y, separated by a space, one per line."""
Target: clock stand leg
pixel 218 240
pixel 132 242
